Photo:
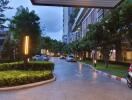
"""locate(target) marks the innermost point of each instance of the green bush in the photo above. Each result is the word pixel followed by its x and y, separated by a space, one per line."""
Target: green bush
pixel 29 66
pixel 18 73
pixel 14 78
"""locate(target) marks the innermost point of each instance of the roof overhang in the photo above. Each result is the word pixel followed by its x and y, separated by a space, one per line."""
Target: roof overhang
pixel 79 3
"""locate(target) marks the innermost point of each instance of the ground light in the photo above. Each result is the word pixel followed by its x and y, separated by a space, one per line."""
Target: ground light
pixel 95 62
pixel 26 48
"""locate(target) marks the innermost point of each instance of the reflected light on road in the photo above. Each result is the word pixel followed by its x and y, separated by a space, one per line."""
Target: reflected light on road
pixel 80 68
pixel 95 75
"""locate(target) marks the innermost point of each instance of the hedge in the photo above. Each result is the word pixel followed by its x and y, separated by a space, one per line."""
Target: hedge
pixel 14 78
pixel 35 66
pixel 18 73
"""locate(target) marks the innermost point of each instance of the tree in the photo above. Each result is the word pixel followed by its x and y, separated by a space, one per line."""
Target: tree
pixel 100 37
pixel 53 45
pixel 112 25
pixel 8 45
pixel 26 23
pixel 126 21
pixel 3 7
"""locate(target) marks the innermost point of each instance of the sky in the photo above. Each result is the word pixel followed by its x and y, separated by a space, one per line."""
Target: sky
pixel 51 18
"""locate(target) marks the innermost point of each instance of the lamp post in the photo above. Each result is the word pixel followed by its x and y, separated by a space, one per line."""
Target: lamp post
pixel 26 48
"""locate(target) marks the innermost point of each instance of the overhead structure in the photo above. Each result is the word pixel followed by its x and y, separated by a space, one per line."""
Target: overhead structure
pixel 79 3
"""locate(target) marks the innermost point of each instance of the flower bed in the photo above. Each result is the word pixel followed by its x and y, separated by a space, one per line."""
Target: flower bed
pixel 14 74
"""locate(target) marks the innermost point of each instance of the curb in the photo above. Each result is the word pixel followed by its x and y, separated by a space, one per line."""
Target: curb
pixel 28 85
pixel 122 80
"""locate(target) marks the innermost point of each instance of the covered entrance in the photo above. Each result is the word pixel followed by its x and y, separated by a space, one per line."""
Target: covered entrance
pixel 79 3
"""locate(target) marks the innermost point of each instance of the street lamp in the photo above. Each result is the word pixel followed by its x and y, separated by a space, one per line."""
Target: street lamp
pixel 26 48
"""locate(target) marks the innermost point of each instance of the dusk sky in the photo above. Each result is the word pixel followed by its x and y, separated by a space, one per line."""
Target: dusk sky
pixel 50 17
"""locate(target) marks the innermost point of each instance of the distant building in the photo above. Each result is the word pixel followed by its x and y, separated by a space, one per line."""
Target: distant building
pixel 64 38
pixel 65 25
pixel 78 27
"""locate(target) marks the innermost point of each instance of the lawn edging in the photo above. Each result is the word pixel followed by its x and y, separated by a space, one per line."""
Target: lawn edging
pixel 28 85
pixel 117 78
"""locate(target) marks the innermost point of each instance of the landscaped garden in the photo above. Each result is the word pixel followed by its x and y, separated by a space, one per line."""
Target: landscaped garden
pixel 18 73
pixel 114 69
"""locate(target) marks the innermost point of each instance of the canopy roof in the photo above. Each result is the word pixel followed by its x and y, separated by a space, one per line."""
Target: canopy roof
pixel 79 3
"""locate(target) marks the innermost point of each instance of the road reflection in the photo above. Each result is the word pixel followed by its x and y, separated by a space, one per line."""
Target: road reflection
pixel 94 75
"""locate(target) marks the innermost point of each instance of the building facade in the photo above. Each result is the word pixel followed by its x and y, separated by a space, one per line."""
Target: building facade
pixel 79 27
pixel 65 25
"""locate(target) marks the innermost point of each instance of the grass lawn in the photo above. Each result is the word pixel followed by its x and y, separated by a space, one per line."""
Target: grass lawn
pixel 118 70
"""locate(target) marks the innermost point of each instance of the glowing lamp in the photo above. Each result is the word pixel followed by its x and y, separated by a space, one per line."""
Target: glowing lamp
pixel 26 45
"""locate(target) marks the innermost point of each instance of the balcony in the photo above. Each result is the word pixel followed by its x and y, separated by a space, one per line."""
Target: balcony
pixel 81 15
pixel 77 18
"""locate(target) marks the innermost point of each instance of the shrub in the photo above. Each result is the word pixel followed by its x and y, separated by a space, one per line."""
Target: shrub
pixel 18 73
pixel 13 78
pixel 35 66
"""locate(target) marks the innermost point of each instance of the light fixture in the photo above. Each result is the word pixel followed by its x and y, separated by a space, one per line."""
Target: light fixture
pixel 26 45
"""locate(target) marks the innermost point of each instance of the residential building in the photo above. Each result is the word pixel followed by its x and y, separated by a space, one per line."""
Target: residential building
pixel 79 27
pixel 65 25
pixel 64 38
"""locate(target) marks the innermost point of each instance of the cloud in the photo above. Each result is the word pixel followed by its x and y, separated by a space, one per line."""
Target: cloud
pixel 50 17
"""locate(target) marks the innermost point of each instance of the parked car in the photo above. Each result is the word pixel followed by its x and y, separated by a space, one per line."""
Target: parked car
pixel 36 57
pixel 45 57
pixel 70 58
pixel 40 58
pixel 62 57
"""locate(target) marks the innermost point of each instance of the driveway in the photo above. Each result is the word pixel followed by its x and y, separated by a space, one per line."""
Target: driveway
pixel 74 82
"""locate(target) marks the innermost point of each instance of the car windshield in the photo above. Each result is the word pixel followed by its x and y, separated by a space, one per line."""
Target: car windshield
pixel 71 56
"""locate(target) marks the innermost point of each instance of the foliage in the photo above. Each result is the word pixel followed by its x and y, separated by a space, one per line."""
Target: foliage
pixel 35 66
pixel 18 73
pixel 52 45
pixel 9 45
pixel 17 77
pixel 26 23
pixel 3 7
pixel 126 21
pixel 108 33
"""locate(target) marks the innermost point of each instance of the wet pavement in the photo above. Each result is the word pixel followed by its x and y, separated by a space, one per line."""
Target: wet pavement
pixel 74 82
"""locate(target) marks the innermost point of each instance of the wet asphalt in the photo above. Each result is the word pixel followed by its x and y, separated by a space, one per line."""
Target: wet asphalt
pixel 74 81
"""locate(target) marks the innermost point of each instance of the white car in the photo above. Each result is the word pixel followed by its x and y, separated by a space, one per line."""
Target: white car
pixel 70 59
pixel 36 57
pixel 40 58
pixel 45 57
pixel 62 57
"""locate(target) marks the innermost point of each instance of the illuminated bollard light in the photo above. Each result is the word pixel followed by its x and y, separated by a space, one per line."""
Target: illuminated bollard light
pixel 26 48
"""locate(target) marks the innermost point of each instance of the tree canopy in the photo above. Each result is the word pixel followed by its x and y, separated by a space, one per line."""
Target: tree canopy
pixel 53 45
pixel 3 7
pixel 26 22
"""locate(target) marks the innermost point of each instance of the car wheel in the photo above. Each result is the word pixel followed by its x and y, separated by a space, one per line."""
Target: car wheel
pixel 129 84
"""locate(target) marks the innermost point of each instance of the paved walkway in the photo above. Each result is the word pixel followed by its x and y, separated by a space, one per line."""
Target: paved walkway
pixel 74 82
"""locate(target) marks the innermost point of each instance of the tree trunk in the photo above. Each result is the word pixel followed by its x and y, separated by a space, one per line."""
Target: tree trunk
pixel 118 52
pixel 89 54
pixel 105 53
